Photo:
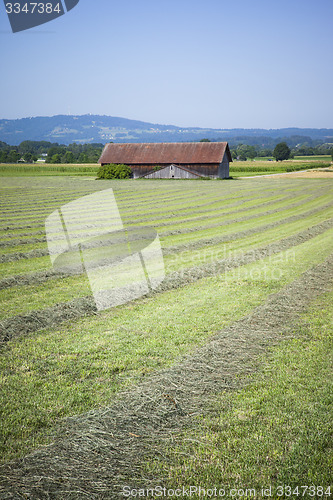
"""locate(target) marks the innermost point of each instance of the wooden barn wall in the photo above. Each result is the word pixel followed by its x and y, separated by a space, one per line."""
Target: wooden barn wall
pixel 170 173
pixel 223 172
pixel 205 169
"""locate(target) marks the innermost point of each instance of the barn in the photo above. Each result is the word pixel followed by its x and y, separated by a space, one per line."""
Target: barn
pixel 171 160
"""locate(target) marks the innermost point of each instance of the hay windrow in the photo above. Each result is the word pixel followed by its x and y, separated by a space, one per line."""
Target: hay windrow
pixel 26 323
pixel 243 234
pixel 40 278
pixel 30 279
pixel 94 454
pixel 217 212
pixel 12 257
pixel 197 207
pixel 51 317
pixel 21 241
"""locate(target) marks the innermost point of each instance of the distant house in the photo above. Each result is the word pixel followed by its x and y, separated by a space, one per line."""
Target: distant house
pixel 171 160
pixel 42 158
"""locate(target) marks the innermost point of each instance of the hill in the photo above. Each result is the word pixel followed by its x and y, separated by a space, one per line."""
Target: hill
pixel 66 129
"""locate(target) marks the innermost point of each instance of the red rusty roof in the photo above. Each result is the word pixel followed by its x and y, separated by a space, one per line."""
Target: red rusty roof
pixel 164 153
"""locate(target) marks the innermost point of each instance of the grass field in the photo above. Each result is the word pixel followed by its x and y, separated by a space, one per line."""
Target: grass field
pixel 47 169
pixel 224 371
pixel 260 166
pixel 281 421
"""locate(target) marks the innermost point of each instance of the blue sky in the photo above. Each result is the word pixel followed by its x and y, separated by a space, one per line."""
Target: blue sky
pixel 217 63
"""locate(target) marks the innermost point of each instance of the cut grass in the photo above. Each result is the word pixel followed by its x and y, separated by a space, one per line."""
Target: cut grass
pixel 35 297
pixel 6 250
pixel 237 247
pixel 25 266
pixel 276 431
pixel 52 374
pixel 175 212
pixel 240 225
pixel 16 301
pixel 80 366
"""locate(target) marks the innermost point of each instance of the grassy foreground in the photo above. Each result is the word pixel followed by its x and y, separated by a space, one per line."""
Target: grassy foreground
pixel 53 374
pixel 276 432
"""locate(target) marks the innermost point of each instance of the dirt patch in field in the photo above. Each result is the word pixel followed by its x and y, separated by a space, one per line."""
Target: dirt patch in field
pixel 94 454
pixel 325 173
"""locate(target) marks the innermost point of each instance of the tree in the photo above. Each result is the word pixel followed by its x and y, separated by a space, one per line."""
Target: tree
pixel 251 152
pixel 55 150
pixel 281 151
pixel 29 157
pixel 69 157
pixel 242 156
pixel 245 151
pixel 13 156
pixel 3 157
pixel 83 158
pixel 265 152
pixel 55 159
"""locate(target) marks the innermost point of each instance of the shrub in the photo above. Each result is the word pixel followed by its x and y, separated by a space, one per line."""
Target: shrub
pixel 113 171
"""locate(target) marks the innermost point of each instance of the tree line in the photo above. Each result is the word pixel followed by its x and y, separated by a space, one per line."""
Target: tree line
pixel 245 152
pixel 31 151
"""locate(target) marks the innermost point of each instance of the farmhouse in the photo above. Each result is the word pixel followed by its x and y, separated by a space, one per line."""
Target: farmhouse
pixel 171 160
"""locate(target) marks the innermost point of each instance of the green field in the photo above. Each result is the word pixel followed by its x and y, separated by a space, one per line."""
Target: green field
pixel 220 377
pixel 7 169
pixel 314 158
pixel 260 166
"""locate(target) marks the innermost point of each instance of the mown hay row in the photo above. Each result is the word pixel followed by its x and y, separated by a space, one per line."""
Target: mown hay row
pixel 40 277
pixel 205 215
pixel 95 454
pixel 24 324
pixel 10 257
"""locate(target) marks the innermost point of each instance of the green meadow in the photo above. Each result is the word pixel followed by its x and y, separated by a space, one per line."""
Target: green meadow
pixel 228 248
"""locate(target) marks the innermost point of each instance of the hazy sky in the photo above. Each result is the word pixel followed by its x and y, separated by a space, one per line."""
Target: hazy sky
pixel 212 63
